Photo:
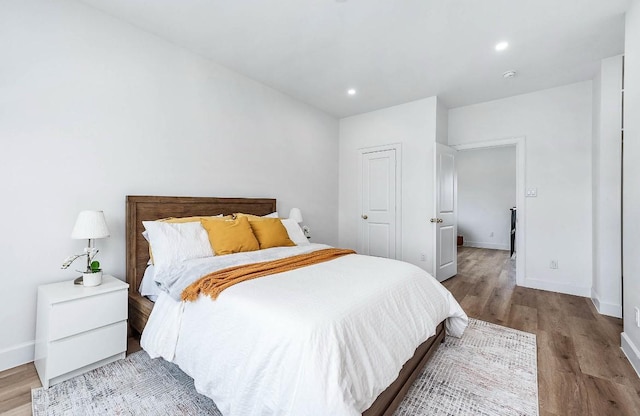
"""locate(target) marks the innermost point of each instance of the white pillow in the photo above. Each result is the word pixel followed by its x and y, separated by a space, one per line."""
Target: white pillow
pixel 148 286
pixel 272 215
pixel 295 232
pixel 176 242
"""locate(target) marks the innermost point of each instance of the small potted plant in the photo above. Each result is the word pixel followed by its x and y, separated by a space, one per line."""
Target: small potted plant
pixel 92 276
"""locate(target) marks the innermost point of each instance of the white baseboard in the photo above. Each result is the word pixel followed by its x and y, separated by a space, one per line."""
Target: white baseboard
pixel 604 308
pixel 493 246
pixel 631 351
pixel 557 287
pixel 17 355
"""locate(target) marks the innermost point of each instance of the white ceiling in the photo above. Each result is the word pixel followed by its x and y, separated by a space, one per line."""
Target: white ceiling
pixel 391 51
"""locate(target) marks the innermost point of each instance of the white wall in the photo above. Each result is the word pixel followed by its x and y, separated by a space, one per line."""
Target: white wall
pixel 557 127
pixel 631 190
pixel 442 123
pixel 486 191
pixel 413 125
pixel 93 109
pixel 607 155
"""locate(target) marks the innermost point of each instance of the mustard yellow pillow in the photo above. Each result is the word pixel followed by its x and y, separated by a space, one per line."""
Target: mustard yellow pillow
pixel 250 216
pixel 230 236
pixel 254 217
pixel 270 232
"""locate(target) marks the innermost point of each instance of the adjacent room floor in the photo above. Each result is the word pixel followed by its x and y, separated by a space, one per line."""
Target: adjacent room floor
pixel 581 369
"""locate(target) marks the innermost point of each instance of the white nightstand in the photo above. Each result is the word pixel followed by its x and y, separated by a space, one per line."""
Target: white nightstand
pixel 79 328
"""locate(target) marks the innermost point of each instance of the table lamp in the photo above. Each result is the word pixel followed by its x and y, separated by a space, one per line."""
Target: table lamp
pixel 90 225
pixel 296 215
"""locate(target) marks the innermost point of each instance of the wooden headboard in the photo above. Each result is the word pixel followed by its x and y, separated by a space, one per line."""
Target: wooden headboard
pixel 149 208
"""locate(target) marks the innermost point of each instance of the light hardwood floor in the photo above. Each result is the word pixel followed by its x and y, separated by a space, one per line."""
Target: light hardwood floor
pixel 581 369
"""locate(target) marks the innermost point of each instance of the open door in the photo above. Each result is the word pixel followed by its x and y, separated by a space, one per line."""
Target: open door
pixel 445 221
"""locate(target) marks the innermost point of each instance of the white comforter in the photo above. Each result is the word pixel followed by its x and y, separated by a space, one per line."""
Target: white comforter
pixel 322 340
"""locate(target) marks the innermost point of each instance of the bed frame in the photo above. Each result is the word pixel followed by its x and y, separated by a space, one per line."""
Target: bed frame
pixel 149 208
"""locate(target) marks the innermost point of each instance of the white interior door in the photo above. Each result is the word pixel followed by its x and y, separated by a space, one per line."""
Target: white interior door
pixel 445 221
pixel 377 236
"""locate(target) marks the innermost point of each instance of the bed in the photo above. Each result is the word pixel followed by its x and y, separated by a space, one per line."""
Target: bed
pixel 147 208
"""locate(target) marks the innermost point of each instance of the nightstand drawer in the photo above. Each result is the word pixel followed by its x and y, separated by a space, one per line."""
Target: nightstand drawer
pixel 79 315
pixel 80 350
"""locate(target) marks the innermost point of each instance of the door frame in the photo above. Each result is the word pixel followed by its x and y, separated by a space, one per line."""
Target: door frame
pixel 520 143
pixel 398 149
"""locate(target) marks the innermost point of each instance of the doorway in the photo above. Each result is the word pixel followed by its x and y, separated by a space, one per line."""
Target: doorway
pixel 484 220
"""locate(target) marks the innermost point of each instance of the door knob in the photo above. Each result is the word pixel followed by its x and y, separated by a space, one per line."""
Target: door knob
pixel 364 217
pixel 438 220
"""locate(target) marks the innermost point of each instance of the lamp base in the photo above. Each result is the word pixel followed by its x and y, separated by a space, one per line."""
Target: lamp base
pixel 78 281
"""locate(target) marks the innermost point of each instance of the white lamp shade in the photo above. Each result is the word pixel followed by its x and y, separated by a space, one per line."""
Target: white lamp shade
pixel 89 225
pixel 296 215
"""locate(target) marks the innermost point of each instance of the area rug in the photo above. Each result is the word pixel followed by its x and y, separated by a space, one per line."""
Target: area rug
pixel 490 371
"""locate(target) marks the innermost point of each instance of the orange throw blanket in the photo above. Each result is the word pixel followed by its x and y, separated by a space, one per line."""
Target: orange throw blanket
pixel 214 283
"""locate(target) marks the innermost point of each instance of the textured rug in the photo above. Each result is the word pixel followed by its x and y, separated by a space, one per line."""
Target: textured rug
pixel 490 371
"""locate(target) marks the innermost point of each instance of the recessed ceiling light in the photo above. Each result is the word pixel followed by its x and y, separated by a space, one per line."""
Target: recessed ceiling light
pixel 509 74
pixel 351 91
pixel 502 46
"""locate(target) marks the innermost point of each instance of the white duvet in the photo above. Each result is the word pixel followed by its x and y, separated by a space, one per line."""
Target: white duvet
pixel 322 340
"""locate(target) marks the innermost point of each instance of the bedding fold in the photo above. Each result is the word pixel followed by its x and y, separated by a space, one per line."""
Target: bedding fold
pixel 213 283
